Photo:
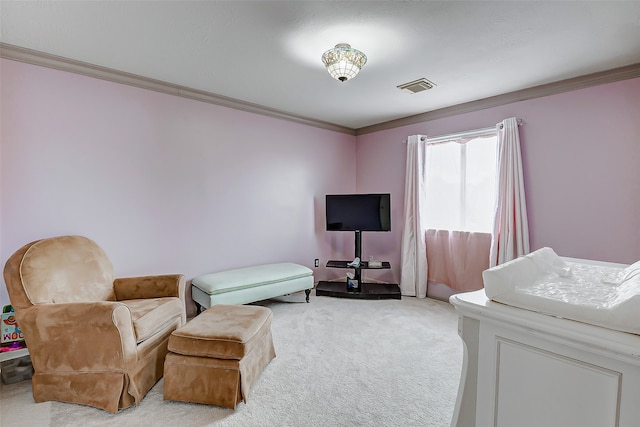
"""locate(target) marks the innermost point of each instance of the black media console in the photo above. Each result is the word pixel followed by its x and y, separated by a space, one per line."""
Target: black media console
pixel 364 290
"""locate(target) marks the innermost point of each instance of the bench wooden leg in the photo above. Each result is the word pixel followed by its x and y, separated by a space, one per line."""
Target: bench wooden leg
pixel 308 292
pixel 199 308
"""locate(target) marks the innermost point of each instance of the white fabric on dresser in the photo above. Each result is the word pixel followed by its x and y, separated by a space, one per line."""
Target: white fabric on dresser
pixel 543 282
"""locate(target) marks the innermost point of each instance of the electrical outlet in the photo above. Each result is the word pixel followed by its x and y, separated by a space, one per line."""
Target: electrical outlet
pixel 316 262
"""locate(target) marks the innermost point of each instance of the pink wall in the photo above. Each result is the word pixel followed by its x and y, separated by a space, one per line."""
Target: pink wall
pixel 163 184
pixel 581 157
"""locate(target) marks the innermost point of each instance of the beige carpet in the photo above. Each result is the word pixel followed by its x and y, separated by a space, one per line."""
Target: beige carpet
pixel 339 362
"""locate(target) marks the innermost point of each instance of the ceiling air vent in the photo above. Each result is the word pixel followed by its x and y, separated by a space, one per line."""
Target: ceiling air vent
pixel 417 86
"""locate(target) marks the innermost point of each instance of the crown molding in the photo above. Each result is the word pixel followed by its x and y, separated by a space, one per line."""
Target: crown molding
pixel 575 83
pixel 61 63
pixel 34 57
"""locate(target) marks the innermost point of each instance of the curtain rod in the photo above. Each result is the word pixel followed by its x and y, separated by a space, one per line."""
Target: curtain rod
pixel 467 134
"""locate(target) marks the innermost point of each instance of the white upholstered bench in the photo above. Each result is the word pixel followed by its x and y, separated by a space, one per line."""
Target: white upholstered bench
pixel 250 284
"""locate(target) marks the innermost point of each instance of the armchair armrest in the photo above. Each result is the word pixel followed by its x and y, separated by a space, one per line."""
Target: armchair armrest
pixel 168 285
pixel 79 336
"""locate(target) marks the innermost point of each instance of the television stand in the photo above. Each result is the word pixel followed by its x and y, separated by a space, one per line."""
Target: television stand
pixel 364 290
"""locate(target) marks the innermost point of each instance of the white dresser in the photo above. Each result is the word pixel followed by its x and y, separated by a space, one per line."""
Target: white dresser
pixel 525 369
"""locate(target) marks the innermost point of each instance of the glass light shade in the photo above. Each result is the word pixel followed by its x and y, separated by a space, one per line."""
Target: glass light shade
pixel 343 62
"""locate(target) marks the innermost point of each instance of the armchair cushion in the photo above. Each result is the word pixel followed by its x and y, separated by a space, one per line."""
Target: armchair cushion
pixel 149 316
pixel 86 266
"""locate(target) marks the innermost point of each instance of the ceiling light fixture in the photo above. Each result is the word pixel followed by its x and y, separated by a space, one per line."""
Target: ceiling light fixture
pixel 343 62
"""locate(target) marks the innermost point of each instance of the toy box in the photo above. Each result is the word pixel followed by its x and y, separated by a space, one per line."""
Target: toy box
pixel 10 330
pixel 16 370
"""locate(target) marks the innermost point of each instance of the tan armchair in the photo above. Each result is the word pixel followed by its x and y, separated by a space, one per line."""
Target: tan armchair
pixel 93 339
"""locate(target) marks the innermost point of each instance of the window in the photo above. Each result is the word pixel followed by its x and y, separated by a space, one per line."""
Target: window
pixel 460 183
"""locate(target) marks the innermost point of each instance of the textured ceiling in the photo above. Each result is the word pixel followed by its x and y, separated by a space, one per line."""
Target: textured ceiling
pixel 268 52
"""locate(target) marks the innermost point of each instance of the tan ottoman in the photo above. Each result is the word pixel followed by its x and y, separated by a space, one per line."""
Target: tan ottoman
pixel 218 356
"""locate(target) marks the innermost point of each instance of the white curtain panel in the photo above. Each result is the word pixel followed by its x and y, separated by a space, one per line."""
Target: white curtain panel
pixel 510 237
pixel 413 279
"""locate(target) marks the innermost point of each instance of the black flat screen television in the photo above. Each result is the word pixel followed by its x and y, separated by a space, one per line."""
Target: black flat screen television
pixel 358 212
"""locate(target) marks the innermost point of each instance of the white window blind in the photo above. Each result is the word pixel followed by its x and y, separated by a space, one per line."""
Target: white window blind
pixel 460 183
